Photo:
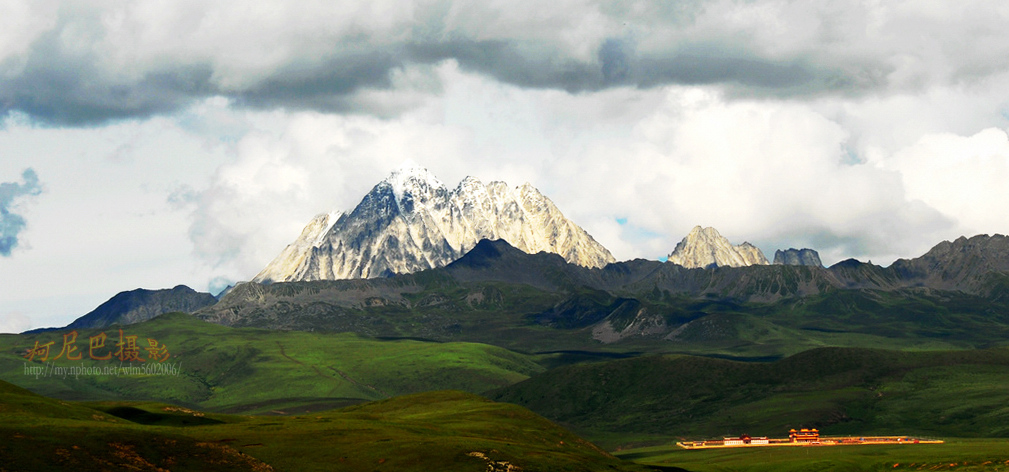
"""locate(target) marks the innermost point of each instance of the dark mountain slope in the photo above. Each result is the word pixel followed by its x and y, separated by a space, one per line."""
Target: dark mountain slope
pixel 962 265
pixel 139 305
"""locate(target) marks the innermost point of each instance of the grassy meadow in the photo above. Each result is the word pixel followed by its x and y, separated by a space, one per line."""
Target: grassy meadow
pixel 261 371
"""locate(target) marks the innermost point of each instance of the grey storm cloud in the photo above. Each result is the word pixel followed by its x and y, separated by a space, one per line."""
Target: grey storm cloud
pixel 74 92
pixel 59 81
pixel 11 224
pixel 325 86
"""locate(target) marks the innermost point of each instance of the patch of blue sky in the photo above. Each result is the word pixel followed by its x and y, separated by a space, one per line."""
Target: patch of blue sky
pixel 641 237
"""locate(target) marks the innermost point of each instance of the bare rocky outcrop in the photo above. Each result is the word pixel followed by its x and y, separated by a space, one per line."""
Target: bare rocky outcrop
pixel 792 256
pixel 705 248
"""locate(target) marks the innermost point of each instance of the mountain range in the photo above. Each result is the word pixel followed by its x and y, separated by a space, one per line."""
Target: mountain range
pixel 494 263
pixel 974 266
pixel 411 221
pixel 954 296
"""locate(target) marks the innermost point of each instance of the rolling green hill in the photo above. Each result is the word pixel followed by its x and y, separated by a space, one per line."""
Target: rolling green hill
pixel 445 431
pixel 838 390
pixel 39 433
pixel 249 370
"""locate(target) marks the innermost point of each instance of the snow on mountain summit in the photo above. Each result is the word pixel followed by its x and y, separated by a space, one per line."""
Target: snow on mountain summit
pixel 412 181
pixel 411 221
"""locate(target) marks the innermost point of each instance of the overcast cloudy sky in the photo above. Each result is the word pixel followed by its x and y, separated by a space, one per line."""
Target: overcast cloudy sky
pixel 155 143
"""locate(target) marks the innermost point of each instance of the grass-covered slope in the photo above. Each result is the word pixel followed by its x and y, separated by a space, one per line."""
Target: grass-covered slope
pixel 839 390
pixel 445 431
pixel 248 370
pixel 40 433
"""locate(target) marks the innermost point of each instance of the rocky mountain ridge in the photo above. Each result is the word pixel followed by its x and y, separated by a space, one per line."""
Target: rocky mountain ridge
pixel 976 267
pixel 411 221
pixel 706 248
pixel 962 264
pixel 499 295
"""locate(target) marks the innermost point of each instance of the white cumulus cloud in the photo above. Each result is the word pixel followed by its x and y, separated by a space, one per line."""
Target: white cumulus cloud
pixel 14 323
pixel 966 178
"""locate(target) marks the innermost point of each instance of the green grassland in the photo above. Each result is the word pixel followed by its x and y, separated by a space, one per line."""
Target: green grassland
pixel 258 371
pixel 656 399
pixel 966 455
pixel 445 431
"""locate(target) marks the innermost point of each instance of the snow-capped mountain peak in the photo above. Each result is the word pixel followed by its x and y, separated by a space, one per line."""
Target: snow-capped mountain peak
pixel 411 186
pixel 413 180
pixel 411 221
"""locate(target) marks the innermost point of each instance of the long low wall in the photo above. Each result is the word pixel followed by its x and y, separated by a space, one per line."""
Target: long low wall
pixel 824 441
